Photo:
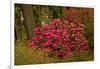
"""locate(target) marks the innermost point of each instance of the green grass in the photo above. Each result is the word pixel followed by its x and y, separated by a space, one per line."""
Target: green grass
pixel 25 56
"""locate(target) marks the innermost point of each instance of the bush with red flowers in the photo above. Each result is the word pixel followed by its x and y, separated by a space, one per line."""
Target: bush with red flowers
pixel 60 38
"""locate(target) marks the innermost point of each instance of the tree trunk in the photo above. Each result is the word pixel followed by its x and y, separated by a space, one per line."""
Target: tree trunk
pixel 28 19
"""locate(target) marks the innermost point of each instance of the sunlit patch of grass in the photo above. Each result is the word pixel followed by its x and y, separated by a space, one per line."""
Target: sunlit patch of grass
pixel 24 56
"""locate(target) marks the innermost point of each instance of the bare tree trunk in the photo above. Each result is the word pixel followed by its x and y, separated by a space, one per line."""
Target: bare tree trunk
pixel 28 19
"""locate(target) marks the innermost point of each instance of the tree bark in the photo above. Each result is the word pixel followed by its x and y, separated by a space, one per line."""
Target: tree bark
pixel 28 19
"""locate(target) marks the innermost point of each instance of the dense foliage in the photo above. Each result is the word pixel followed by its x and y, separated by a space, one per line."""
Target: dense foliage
pixel 60 38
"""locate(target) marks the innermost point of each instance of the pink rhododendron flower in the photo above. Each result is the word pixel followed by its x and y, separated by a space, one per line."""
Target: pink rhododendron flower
pixel 60 38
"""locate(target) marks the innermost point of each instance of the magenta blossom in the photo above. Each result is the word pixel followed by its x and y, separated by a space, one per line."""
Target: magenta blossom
pixel 60 38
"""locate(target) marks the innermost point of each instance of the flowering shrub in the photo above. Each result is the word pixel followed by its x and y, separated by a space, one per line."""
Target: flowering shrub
pixel 60 38
pixel 73 15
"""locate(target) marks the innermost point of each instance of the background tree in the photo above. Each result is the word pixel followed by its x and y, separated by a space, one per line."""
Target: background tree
pixel 28 19
pixel 18 24
pixel 56 11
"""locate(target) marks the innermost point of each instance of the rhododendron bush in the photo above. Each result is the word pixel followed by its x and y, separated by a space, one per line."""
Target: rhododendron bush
pixel 60 38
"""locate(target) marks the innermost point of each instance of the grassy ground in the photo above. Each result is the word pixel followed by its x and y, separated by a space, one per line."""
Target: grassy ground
pixel 24 55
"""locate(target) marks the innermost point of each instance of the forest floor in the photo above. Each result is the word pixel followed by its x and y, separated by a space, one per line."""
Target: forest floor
pixel 25 56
